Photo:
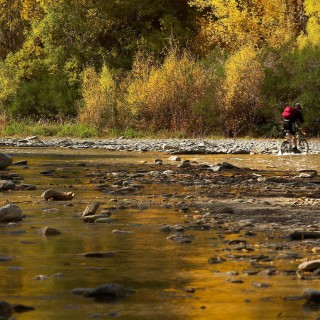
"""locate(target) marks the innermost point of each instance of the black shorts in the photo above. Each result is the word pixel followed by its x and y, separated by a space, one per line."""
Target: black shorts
pixel 290 126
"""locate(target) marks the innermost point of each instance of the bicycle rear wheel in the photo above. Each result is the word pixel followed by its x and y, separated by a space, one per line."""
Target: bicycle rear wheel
pixel 285 147
pixel 304 146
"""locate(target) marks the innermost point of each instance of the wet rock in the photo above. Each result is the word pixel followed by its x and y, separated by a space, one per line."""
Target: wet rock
pixel 5 161
pixel 20 163
pixel 91 209
pixel 261 285
pixel 180 238
pixel 48 231
pixel 216 260
pixel 6 310
pixel 302 235
pixel 20 308
pixel 5 258
pixel 6 185
pixel 104 292
pixel 224 166
pixel 185 164
pixel 234 280
pixel 168 228
pixel 309 265
pixel 97 218
pixel 108 254
pixel 237 242
pixel 57 195
pixel 25 186
pixel 158 161
pixel 199 226
pixel 268 272
pixel 311 295
pixel 47 172
pixel 10 213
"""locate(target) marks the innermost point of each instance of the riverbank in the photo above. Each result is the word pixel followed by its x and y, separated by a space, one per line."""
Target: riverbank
pixel 172 146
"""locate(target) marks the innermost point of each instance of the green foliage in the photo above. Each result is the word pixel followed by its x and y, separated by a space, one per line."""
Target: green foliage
pixel 9 84
pixel 82 60
pixel 23 128
pixel 48 129
pixel 79 130
pixel 294 77
pixel 46 97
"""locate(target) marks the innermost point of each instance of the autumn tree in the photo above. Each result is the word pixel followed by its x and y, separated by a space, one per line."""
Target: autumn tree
pixel 12 26
pixel 312 32
pixel 236 23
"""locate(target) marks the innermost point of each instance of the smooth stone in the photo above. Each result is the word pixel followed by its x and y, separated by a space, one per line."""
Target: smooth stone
pixel 109 254
pixel 48 231
pixel 309 265
pixel 91 209
pixel 57 195
pixel 10 213
pixel 5 160
pixel 311 295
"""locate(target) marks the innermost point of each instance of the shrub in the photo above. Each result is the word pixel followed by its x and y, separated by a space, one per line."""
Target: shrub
pixel 171 96
pixel 241 92
pixel 102 98
pixel 45 97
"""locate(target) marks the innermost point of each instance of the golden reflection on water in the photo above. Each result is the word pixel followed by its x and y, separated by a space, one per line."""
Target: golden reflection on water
pixel 172 281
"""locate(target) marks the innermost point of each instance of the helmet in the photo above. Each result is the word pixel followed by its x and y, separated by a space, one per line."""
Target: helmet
pixel 298 106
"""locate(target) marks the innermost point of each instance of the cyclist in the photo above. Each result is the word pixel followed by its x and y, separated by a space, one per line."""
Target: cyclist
pixel 292 115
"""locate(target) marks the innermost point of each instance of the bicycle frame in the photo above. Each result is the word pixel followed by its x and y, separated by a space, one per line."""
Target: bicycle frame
pixel 287 145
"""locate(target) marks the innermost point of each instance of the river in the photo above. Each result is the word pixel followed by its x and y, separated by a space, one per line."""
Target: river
pixel 171 280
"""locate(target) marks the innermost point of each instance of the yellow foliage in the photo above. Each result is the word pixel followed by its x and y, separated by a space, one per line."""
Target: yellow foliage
pixel 9 83
pixel 242 89
pixel 235 23
pixel 244 75
pixel 98 93
pixel 167 97
pixel 312 37
pixel 31 10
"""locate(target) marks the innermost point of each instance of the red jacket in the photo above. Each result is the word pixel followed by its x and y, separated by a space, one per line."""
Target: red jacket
pixel 293 114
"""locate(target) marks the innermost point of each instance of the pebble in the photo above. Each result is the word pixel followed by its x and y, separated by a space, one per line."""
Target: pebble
pixel 174 146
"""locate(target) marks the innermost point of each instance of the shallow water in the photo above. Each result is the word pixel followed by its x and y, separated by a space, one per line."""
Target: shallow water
pixel 171 280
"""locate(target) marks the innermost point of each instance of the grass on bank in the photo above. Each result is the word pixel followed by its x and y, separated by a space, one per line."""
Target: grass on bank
pixel 84 131
pixel 76 130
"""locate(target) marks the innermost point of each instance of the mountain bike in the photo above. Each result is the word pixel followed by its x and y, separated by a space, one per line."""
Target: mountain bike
pixel 302 143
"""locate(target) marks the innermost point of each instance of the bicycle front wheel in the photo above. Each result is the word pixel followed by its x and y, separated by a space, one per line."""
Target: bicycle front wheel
pixel 285 147
pixel 304 146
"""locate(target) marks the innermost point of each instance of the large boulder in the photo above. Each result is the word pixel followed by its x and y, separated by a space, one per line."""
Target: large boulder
pixel 5 161
pixel 10 213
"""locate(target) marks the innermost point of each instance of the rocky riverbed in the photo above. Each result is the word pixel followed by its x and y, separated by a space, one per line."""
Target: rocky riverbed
pixel 173 146
pixel 255 225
